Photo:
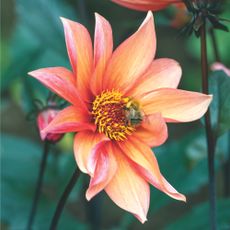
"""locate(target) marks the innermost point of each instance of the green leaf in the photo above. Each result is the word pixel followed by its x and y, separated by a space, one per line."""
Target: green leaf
pixel 20 163
pixel 220 107
pixel 198 217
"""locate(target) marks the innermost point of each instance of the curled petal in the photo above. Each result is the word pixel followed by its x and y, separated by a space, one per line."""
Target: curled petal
pixel 70 119
pixel 153 130
pixel 80 51
pixel 103 47
pixel 131 58
pixel 84 142
pixel 145 163
pixel 105 168
pixel 60 82
pixel 145 5
pixel 127 189
pixel 176 105
pixel 162 73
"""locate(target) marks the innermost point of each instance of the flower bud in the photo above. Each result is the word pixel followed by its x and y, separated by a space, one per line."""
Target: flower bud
pixel 43 119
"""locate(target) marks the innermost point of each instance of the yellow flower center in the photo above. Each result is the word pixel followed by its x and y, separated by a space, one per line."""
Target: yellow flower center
pixel 115 116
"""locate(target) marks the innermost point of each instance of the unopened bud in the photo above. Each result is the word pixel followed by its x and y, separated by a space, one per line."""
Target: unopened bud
pixel 43 119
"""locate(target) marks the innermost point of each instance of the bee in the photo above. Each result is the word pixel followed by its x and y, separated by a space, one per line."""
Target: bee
pixel 133 113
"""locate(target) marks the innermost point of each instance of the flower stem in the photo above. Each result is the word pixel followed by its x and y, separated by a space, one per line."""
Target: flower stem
pixel 39 185
pixel 64 198
pixel 208 129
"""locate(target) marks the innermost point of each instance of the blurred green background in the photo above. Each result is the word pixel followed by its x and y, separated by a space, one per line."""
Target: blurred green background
pixel 32 37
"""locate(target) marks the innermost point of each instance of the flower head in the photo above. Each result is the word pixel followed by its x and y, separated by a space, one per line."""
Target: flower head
pixel 145 5
pixel 120 103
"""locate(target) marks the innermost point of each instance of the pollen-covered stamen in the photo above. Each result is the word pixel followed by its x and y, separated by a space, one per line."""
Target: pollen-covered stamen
pixel 110 116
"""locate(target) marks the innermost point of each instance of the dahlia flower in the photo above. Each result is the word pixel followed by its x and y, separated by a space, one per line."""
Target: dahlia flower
pixel 120 102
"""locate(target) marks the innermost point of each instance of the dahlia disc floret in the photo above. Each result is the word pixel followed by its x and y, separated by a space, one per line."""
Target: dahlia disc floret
pixel 120 102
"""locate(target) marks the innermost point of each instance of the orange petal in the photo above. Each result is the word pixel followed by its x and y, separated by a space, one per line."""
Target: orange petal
pixel 84 142
pixel 153 130
pixel 127 189
pixel 105 168
pixel 162 73
pixel 60 82
pixel 80 51
pixel 103 47
pixel 146 166
pixel 70 119
pixel 131 58
pixel 176 105
pixel 145 5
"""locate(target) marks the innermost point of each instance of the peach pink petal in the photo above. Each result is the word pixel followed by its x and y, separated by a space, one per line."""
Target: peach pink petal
pixel 105 168
pixel 60 83
pixel 153 130
pixel 103 48
pixel 70 119
pixel 176 105
pixel 127 189
pixel 162 73
pixel 131 58
pixel 84 142
pixel 80 51
pixel 145 163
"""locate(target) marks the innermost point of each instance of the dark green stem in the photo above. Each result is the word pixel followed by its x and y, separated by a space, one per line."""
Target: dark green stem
pixel 39 185
pixel 208 130
pixel 63 199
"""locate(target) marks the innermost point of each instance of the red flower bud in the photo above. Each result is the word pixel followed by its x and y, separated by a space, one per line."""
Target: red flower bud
pixel 43 119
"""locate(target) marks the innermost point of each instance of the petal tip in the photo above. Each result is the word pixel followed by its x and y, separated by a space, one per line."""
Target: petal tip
pixel 32 73
pixel 183 198
pixel 88 196
pixel 43 134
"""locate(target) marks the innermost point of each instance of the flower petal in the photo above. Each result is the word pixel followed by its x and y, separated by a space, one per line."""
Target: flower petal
pixel 60 82
pixel 146 166
pixel 70 119
pixel 103 47
pixel 127 189
pixel 84 142
pixel 105 168
pixel 80 51
pixel 145 5
pixel 131 58
pixel 176 105
pixel 153 130
pixel 162 73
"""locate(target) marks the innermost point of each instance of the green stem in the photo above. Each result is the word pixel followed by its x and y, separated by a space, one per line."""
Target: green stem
pixel 63 199
pixel 39 185
pixel 208 130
